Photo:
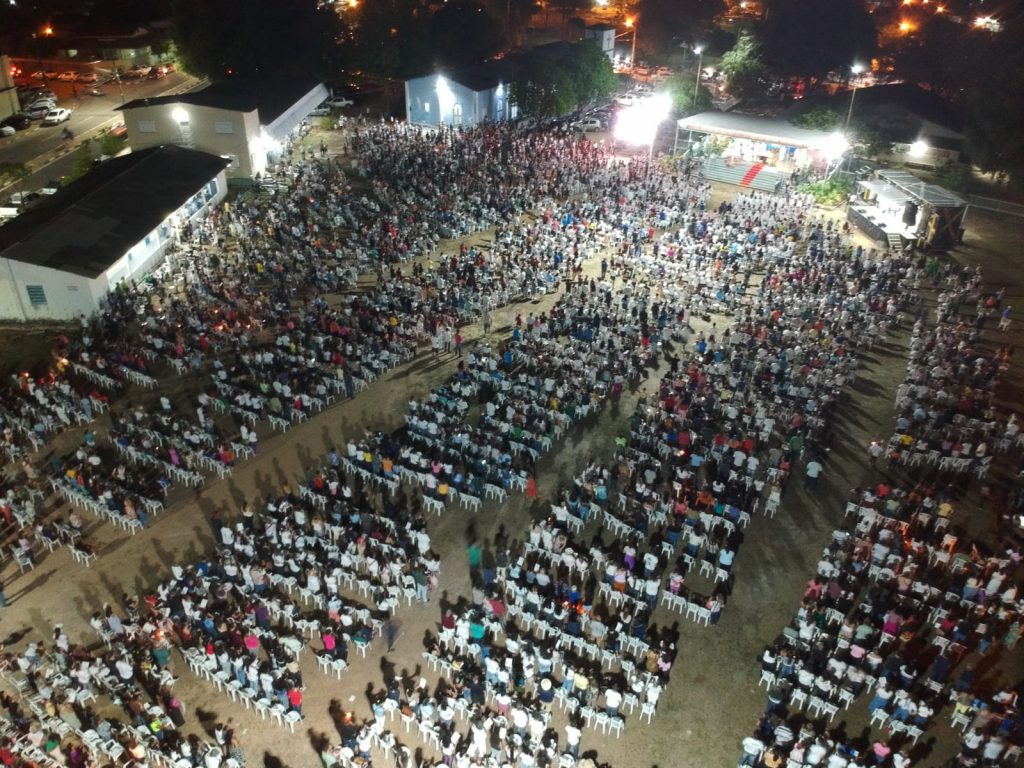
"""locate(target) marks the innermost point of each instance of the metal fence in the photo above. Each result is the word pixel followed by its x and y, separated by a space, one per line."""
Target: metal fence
pixel 996 206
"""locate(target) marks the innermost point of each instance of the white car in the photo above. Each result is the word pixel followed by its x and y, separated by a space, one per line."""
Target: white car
pixel 626 101
pixel 7 130
pixel 588 124
pixel 338 102
pixel 88 77
pixel 322 111
pixel 57 116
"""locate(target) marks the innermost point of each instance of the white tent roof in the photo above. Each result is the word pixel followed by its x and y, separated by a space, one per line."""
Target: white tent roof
pixel 922 191
pixel 885 191
pixel 772 130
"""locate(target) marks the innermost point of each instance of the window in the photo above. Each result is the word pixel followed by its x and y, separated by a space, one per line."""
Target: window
pixel 426 107
pixel 223 127
pixel 147 126
pixel 36 295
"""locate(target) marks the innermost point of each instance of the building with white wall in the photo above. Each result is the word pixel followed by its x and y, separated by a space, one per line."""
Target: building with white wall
pixel 242 121
pixel 59 259
pixel 462 97
pixel 8 93
pixel 604 36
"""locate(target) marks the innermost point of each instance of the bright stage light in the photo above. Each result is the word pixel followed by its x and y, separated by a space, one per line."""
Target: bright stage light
pixel 639 123
pixel 835 146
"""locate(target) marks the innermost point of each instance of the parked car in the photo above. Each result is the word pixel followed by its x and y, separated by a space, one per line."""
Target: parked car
pixel 23 198
pixel 588 124
pixel 68 77
pixel 38 113
pixel 19 121
pixel 88 78
pixel 320 111
pixel 57 116
pixel 6 131
pixel 42 101
pixel 131 74
pixel 34 110
pixel 48 75
pixel 338 102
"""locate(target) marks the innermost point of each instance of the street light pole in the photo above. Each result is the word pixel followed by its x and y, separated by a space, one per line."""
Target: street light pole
pixel 699 50
pixel 632 53
pixel 856 69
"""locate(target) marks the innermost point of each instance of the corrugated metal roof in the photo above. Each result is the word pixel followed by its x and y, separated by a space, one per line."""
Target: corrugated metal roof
pixel 768 129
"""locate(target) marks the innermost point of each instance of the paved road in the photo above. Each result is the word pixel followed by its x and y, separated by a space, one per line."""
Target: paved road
pixel 39 146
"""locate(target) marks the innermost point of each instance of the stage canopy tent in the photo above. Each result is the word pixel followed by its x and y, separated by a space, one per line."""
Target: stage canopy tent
pixel 770 130
pixel 922 191
pixel 885 192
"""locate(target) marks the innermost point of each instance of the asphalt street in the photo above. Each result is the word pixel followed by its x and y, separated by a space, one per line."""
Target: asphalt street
pixel 44 149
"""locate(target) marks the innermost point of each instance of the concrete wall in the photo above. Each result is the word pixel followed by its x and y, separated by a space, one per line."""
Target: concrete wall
pixel 217 131
pixel 289 120
pixel 66 296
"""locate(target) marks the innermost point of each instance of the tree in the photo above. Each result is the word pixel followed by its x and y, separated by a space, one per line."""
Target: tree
pixel 11 173
pixel 664 24
pixel 802 40
pixel 682 87
pixel 871 139
pixel 591 72
pixel 994 124
pixel 81 162
pixel 514 16
pixel 224 38
pixel 543 89
pixel 744 70
pixel 818 119
pixel 463 32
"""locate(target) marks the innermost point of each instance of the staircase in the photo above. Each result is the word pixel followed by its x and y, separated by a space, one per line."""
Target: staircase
pixel 895 242
pixel 748 175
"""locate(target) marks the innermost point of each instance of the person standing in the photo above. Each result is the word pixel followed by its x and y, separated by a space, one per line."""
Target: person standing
pixel 813 472
pixel 572 739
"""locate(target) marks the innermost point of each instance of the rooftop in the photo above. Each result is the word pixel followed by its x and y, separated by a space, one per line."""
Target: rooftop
pixel 91 223
pixel 271 98
pixel 773 130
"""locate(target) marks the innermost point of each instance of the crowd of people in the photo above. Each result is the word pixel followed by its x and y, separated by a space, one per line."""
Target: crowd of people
pixel 905 607
pixel 265 311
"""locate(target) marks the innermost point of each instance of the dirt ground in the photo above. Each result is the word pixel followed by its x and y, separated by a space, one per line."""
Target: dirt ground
pixel 712 701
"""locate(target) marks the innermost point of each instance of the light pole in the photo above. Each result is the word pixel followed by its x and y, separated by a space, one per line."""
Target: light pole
pixel 856 69
pixel 632 24
pixel 699 50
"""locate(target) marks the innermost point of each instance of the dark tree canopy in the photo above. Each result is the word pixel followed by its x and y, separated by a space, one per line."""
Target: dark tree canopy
pixel 941 55
pixel 810 38
pixel 463 32
pixel 404 38
pixel 223 38
pixel 665 24
pixel 994 125
pixel 549 88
